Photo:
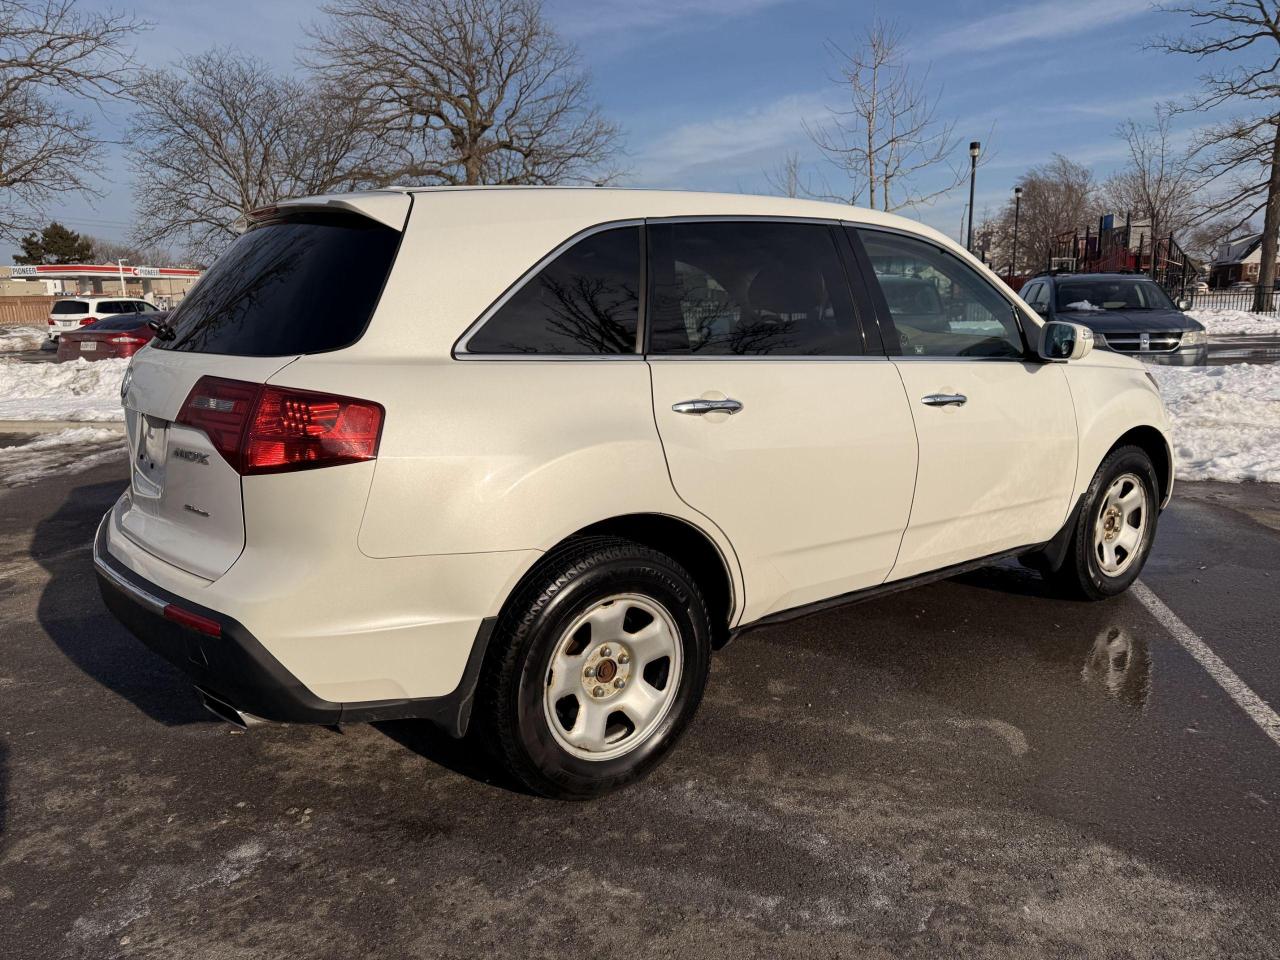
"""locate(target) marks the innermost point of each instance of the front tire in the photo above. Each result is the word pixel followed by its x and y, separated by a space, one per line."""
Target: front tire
pixel 597 666
pixel 1114 529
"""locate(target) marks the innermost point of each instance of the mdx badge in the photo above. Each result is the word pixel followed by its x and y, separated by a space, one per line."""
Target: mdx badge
pixel 182 453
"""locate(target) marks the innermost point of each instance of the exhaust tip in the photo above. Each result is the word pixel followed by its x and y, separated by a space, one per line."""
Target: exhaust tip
pixel 224 711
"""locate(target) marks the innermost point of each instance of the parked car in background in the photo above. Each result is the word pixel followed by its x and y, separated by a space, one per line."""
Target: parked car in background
pixel 544 449
pixel 119 336
pixel 72 313
pixel 1129 313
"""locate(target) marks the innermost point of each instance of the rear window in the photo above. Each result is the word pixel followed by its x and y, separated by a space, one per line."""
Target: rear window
pixel 70 307
pixel 129 321
pixel 302 285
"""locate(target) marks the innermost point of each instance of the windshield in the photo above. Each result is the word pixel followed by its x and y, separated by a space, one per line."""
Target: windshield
pixel 302 285
pixel 1087 296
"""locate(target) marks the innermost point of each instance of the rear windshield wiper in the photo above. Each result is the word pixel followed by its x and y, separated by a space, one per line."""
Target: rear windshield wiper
pixel 163 329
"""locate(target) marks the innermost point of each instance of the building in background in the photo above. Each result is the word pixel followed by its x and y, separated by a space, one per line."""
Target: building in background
pixel 1238 261
pixel 163 286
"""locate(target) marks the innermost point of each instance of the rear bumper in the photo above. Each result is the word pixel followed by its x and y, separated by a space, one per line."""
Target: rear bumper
pixel 236 669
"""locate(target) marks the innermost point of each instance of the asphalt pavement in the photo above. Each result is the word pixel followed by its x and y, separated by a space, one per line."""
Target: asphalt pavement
pixel 973 768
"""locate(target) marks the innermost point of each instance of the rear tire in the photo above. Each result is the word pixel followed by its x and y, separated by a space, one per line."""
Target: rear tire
pixel 1114 529
pixel 597 665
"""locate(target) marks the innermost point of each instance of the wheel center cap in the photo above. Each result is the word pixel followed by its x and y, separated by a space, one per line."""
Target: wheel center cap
pixel 606 670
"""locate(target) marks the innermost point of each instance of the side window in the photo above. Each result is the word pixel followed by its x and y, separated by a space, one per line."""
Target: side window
pixel 144 307
pixel 750 288
pixel 1031 293
pixel 586 301
pixel 940 305
pixel 109 307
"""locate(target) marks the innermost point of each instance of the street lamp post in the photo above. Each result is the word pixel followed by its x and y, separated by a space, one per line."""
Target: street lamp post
pixel 1017 208
pixel 123 290
pixel 975 148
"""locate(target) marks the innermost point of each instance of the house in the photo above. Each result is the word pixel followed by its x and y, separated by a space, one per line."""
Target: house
pixel 1238 261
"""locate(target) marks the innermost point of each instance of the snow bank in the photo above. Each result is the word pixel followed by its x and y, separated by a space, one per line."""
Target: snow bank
pixel 76 390
pixel 67 451
pixel 15 339
pixel 1226 420
pixel 1233 322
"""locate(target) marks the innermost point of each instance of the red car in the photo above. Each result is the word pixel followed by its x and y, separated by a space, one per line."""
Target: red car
pixel 109 337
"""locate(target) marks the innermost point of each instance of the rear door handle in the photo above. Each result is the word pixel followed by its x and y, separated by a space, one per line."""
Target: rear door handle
pixel 700 407
pixel 945 400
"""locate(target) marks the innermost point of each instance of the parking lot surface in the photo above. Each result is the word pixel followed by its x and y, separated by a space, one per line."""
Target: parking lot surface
pixel 972 768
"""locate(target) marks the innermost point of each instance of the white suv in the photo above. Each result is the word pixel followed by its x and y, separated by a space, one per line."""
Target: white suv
pixel 517 460
pixel 72 313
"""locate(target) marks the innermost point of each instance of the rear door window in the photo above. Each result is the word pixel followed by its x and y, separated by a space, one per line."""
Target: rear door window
pixel 584 302
pixel 109 307
pixel 750 288
pixel 304 284
pixel 70 308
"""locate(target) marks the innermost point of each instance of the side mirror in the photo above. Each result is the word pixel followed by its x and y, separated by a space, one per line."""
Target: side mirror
pixel 1065 341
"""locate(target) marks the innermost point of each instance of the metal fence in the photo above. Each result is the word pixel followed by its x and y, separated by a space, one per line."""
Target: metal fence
pixel 1233 298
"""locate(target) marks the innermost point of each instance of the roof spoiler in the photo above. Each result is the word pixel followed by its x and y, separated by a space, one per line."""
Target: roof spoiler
pixel 391 209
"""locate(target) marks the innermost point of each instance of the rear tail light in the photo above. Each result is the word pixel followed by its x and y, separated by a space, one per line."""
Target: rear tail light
pixel 52 321
pixel 265 429
pixel 88 320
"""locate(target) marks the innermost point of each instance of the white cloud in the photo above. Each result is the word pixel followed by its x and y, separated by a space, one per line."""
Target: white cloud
pixel 610 16
pixel 1048 21
pixel 723 147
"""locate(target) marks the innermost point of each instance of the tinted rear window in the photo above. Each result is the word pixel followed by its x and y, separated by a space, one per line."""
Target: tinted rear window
pixel 70 307
pixel 302 285
pixel 129 321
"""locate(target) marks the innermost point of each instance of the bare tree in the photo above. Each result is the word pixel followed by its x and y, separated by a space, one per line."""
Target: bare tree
pixel 1240 157
pixel 50 50
pixel 1159 182
pixel 787 178
pixel 222 134
pixel 109 251
pixel 1058 197
pixel 466 91
pixel 889 134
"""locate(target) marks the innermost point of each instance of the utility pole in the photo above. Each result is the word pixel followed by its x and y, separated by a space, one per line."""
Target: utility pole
pixel 1017 208
pixel 975 148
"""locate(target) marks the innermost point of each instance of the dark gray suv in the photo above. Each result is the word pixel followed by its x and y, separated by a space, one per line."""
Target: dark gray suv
pixel 1129 313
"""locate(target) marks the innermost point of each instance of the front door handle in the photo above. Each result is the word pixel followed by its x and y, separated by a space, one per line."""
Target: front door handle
pixel 945 400
pixel 700 407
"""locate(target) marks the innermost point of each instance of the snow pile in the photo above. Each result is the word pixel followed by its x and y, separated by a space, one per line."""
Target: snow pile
pixel 1226 420
pixel 76 390
pixel 1234 322
pixel 15 339
pixel 67 451
pixel 1084 306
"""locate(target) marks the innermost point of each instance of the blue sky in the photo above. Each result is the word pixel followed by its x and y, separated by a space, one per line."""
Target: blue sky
pixel 712 93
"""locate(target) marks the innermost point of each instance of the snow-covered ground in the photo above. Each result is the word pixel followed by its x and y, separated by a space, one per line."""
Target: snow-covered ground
pixel 1232 322
pixel 15 339
pixel 66 451
pixel 1226 420
pixel 76 390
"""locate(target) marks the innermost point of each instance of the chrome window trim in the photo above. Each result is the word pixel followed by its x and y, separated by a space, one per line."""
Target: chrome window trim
pixel 1015 305
pixel 460 351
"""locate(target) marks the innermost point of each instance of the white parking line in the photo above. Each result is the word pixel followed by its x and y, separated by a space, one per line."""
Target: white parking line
pixel 1248 701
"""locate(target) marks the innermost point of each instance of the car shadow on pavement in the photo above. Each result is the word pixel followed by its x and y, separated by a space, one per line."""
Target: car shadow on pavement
pixel 4 790
pixel 71 612
pixel 466 757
